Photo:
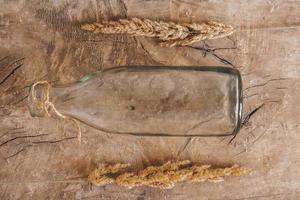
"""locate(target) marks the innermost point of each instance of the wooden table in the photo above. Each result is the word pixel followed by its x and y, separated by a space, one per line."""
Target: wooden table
pixel 41 40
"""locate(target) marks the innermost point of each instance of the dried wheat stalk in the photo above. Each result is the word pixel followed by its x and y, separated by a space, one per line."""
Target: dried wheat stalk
pixel 164 176
pixel 169 32
pixel 102 175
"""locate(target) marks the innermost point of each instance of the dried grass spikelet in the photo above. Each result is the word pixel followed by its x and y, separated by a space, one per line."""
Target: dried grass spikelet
pixel 166 175
pixel 170 33
pixel 103 175
pixel 206 173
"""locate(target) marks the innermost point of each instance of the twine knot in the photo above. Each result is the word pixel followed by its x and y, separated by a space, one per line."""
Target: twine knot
pixel 42 104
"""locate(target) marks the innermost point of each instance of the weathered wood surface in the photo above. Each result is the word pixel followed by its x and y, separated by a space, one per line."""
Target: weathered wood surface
pixel 41 40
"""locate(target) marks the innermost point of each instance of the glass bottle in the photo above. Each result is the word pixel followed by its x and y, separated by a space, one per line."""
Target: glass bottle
pixel 150 101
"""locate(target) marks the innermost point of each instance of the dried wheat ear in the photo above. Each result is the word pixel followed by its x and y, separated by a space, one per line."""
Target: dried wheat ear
pixel 164 176
pixel 170 33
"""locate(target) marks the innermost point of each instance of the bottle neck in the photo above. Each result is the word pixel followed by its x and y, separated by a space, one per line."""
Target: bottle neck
pixel 43 98
pixel 39 99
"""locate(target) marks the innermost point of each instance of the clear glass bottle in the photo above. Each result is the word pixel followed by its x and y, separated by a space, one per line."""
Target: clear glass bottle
pixel 150 101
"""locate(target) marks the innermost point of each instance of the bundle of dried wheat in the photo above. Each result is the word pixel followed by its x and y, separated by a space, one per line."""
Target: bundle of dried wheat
pixel 164 176
pixel 169 32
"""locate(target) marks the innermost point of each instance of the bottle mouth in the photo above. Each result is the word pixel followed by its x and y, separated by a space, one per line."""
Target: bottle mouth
pixel 38 99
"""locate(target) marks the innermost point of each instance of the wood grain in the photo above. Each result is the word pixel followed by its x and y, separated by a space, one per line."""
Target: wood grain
pixel 41 40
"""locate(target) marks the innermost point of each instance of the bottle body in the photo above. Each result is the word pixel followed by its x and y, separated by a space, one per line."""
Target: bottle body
pixel 156 101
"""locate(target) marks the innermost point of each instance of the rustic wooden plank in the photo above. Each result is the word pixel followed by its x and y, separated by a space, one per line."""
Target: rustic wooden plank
pixel 40 157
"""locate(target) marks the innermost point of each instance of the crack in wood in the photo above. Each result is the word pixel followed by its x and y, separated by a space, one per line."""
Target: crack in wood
pixel 53 141
pixel 10 74
pixel 4 58
pixel 14 62
pixel 19 101
pixel 8 133
pixel 36 143
pixel 264 84
pixel 185 145
pixel 212 52
pixel 249 96
pixel 20 137
pixel 18 152
pixel 246 119
pixel 249 115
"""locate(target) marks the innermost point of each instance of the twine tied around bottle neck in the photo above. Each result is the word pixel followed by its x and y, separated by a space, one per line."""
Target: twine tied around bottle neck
pixel 46 105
